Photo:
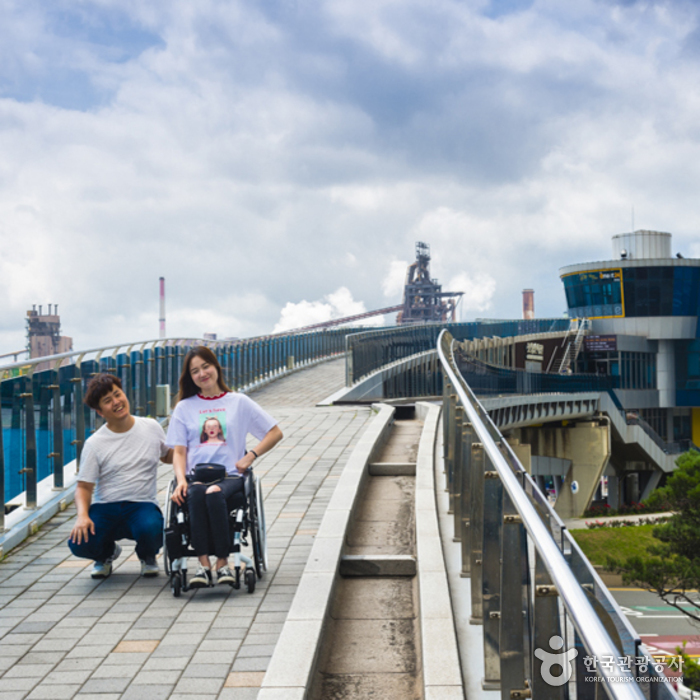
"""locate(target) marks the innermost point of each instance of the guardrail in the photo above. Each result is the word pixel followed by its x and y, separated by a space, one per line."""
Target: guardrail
pixel 533 590
pixel 487 379
pixel 45 423
pixel 369 350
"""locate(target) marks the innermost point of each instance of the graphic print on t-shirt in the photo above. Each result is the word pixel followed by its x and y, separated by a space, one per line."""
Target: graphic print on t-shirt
pixel 212 424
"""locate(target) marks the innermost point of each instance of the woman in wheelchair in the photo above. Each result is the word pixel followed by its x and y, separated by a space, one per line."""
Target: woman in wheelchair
pixel 208 428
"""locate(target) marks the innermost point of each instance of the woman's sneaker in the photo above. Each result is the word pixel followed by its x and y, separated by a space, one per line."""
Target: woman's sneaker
pixel 102 569
pixel 202 579
pixel 224 575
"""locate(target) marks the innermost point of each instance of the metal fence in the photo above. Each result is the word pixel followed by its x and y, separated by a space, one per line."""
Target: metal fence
pixel 45 423
pixel 486 379
pixel 532 589
pixel 368 351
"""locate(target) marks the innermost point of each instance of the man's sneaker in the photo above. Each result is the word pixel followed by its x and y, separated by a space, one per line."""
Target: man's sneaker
pixel 202 579
pixel 149 567
pixel 102 569
pixel 224 575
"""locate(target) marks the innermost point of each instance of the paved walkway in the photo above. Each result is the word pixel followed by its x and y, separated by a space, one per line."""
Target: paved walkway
pixel 63 635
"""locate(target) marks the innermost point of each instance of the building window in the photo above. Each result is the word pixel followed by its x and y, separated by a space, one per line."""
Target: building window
pixel 638 370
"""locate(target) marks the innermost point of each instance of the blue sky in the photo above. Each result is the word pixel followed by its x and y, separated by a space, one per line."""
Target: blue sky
pixel 278 160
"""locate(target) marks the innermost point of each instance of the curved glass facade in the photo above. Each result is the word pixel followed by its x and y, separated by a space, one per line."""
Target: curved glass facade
pixel 594 294
pixel 633 292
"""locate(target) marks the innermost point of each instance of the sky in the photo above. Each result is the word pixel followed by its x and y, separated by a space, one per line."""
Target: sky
pixel 277 160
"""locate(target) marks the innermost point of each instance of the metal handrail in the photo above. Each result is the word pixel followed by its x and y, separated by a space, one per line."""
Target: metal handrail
pixel 46 423
pixel 595 638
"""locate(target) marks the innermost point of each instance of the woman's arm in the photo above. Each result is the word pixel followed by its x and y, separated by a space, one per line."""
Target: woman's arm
pixel 180 467
pixel 272 437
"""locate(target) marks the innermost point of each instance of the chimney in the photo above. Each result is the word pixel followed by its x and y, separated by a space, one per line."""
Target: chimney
pixel 528 304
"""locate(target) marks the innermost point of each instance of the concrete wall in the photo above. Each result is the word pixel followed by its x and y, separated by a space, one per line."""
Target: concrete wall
pixel 587 445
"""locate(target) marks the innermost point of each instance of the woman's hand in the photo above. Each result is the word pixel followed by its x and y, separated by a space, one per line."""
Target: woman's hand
pixel 180 467
pixel 245 462
pixel 180 493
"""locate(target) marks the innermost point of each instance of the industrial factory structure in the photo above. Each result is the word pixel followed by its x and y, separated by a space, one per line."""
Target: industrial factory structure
pixel 423 298
pixel 44 334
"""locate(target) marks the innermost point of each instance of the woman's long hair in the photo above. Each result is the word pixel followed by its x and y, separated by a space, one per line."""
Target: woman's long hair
pixel 187 386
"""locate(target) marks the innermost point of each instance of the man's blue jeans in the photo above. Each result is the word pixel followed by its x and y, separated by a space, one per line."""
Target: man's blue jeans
pixel 121 520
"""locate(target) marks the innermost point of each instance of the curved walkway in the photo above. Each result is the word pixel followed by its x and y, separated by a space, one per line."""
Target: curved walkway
pixel 63 635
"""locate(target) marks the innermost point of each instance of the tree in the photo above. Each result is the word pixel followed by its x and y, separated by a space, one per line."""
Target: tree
pixel 672 569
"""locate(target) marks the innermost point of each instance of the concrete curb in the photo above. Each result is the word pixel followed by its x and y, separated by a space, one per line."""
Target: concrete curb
pixel 293 661
pixel 22 523
pixel 369 388
pixel 442 675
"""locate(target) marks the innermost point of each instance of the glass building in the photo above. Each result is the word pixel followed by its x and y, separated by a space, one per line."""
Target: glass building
pixel 644 303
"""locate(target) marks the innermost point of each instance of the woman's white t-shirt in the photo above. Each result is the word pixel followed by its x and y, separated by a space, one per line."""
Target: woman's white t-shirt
pixel 214 430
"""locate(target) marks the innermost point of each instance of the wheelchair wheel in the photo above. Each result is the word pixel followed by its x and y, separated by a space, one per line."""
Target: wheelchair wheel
pixel 167 514
pixel 257 530
pixel 176 583
pixel 250 580
pixel 261 522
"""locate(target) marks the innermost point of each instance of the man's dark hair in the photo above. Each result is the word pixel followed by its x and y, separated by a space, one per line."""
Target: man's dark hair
pixel 98 387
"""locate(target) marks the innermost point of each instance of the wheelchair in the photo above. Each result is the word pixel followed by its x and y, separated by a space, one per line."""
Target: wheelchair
pixel 246 519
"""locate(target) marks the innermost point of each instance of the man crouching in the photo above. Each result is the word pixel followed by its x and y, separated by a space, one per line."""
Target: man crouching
pixel 116 492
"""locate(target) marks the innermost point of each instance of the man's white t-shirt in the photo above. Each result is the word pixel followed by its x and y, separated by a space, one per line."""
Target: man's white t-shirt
pixel 214 430
pixel 123 466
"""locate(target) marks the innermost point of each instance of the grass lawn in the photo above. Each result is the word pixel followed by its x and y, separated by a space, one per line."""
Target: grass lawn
pixel 618 542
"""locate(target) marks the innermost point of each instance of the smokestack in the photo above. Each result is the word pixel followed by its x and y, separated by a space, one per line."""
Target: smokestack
pixel 162 307
pixel 528 304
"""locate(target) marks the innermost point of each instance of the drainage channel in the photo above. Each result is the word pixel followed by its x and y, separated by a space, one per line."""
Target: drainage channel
pixel 371 642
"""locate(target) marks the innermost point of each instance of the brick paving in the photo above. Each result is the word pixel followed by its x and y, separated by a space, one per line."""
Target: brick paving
pixel 63 635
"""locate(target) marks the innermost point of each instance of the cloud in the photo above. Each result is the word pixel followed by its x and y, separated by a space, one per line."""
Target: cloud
pixel 478 292
pixel 394 282
pixel 338 304
pixel 260 153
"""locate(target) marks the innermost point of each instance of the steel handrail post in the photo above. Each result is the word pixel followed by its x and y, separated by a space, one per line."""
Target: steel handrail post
pixel 491 576
pixel 466 470
pixel 30 465
pixel 476 530
pixel 141 383
pixel 57 452
pixel 79 440
pixel 150 373
pixel 456 478
pixel 514 591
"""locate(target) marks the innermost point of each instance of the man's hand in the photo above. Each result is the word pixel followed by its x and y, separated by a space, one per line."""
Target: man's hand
pixel 180 493
pixel 83 527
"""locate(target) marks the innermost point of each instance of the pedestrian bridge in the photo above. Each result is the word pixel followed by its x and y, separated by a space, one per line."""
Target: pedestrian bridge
pixel 410 553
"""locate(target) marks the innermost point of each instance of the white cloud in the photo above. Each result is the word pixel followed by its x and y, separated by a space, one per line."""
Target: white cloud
pixel 478 292
pixel 258 153
pixel 338 304
pixel 394 282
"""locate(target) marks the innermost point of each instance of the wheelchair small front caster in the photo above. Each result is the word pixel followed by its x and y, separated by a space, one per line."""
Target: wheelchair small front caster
pixel 176 583
pixel 250 580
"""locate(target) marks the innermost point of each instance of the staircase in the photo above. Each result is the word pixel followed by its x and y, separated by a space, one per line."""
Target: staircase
pixel 563 364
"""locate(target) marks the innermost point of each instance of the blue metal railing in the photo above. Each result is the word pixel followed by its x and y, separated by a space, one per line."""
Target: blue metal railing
pixel 369 350
pixel 45 423
pixel 486 379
